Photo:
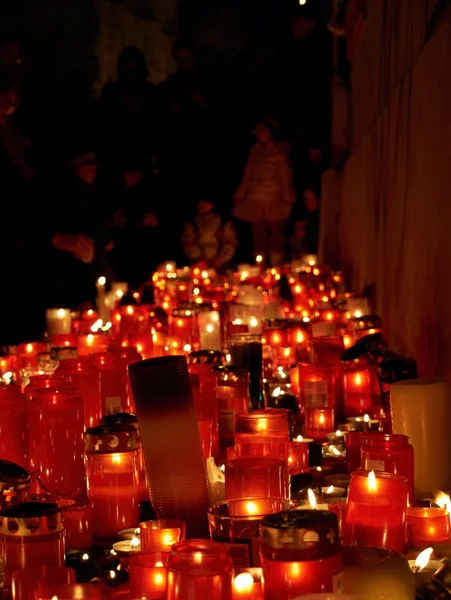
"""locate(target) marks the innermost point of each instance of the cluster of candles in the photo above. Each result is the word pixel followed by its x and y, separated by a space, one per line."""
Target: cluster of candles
pixel 275 376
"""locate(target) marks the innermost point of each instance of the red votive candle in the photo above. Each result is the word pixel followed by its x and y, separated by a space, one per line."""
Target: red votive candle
pixel 37 382
pixel 93 342
pixel 262 433
pixel 256 478
pixel 377 506
pixel 64 340
pixel 85 377
pixel 357 389
pixel 427 526
pixel 13 425
pixel 233 399
pixel 28 354
pixel 55 438
pixel 298 455
pixel 206 436
pixel 199 569
pixel 112 473
pixel 25 581
pixel 208 405
pixel 112 381
pixel 301 554
pixel 319 422
pixel 76 510
pixel 354 442
pixel 68 591
pixel 161 535
pixel 31 535
pixel 317 383
pixel 391 453
pixel 148 575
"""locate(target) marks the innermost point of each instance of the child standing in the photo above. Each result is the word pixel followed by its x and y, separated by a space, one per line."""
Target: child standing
pixel 266 194
pixel 207 238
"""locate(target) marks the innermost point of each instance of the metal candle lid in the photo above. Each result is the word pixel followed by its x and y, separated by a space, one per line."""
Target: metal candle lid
pixel 14 481
pixel 206 357
pixel 31 519
pixel 112 438
pixel 300 535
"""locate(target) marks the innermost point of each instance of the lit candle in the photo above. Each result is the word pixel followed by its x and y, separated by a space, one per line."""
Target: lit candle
pixel 318 421
pixel 426 526
pixel 127 547
pixel 100 300
pixel 216 481
pixel 148 575
pixel 357 390
pixel 93 342
pixel 58 321
pixel 245 588
pixel 377 506
pixel 333 492
pixel 298 455
pixel 423 567
pixel 161 535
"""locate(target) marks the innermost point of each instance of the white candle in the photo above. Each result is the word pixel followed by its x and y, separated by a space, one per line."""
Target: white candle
pixel 58 321
pixel 210 330
pixel 101 303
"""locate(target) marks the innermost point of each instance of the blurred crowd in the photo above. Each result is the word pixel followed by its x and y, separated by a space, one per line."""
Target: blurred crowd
pixel 194 169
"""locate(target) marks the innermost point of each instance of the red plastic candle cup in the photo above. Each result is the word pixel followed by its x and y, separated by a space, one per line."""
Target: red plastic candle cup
pixel 161 535
pixel 233 399
pixel 377 506
pixel 298 455
pixel 112 381
pixel 206 436
pixel 68 591
pixel 199 569
pixel 27 354
pixel 92 342
pixel 319 422
pixel 357 389
pixel 183 323
pixel 25 581
pixel 13 425
pixel 77 518
pixel 129 355
pixel 85 377
pixel 111 458
pixel 256 478
pixel 55 438
pixel 64 340
pixel 31 535
pixel 275 333
pixel 129 320
pixel 354 442
pixel 301 554
pixel 317 383
pixel 148 575
pixel 391 453
pixel 237 524
pixel 262 433
pixel 297 334
pixel 37 382
pixel 427 526
pixel 208 405
pixel 327 350
pixel 295 381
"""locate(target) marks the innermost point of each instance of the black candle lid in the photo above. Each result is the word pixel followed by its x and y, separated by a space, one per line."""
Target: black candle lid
pixel 12 473
pixel 111 438
pixel 364 345
pixel 119 419
pixel 30 510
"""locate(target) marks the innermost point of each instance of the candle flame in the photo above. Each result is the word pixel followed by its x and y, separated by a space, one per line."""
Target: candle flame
pixel 29 348
pixel 197 557
pixel 85 556
pixel 258 259
pixel 210 328
pixel 322 419
pixel 243 582
pixel 358 379
pixel 338 433
pixel 159 564
pixel 443 501
pixel 330 489
pixel 347 341
pixel 299 438
pixel 366 418
pixel 158 578
pixel 423 559
pixel 336 451
pixel 251 508
pixel 130 310
pixel 276 392
pixel 54 597
pixel 253 322
pixel 299 337
pixel 358 314
pixel 101 280
pixel 134 542
pixel 222 468
pixel 90 339
pixel 311 498
pixel 372 483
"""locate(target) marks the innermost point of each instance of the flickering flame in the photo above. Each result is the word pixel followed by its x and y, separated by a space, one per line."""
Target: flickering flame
pixel 237 322
pixel 330 316
pixel 338 433
pixel 336 451
pixel 29 348
pixel 112 576
pixel 61 313
pixel 169 267
pixel 316 272
pixel 253 322
pixel 243 582
pixel 118 317
pixel 443 501
pixel 116 459
pixel 204 274
pixel 330 489
pixel 159 564
pixel 251 508
pixel 130 310
pixel 347 341
pixel 302 2
pixel 97 325
pixel 311 498
pixel 101 280
pixel 158 578
pixel 197 557
pixel 322 419
pixel 366 418
pixel 276 392
pixel 85 556
pixel 196 291
pixel 298 289
pixel 299 438
pixel 90 339
pixel 358 314
pixel 134 542
pixel 187 348
pixel 423 559
pixel 222 468
pixel 54 597
pixel 209 328
pixel 287 352
pixel 299 337
pixel 258 260
pixel 372 483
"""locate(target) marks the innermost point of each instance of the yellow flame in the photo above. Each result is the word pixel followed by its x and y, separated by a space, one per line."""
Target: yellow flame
pixel 253 322
pixel 299 337
pixel 243 582
pixel 251 508
pixel 311 498
pixel 299 438
pixel 358 379
pixel 443 500
pixel 101 280
pixel 338 433
pixel 330 489
pixel 258 259
pixel 372 482
pixel 134 542
pixel 423 558
pixel 366 418
pixel 158 578
pixel 197 557
pixel 322 419
pixel 130 310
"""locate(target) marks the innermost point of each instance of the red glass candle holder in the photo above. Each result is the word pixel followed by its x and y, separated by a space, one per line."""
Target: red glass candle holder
pixel 13 425
pixel 148 575
pixel 143 344
pixel 31 535
pixel 161 535
pixel 326 350
pixel 298 455
pixel 206 436
pixel 273 422
pixel 256 477
pixel 85 377
pixel 112 381
pixel 275 332
pixel 92 342
pixel 301 554
pixel 64 340
pixel 129 355
pixel 377 506
pixel 37 382
pixel 357 389
pixel 27 354
pixel 319 422
pixel 297 334
pixel 208 405
pixel 76 510
pixel 237 524
pixel 233 399
pixel 354 442
pixel 317 384
pixel 68 591
pixel 199 569
pixel 427 526
pixel 129 320
pixel 391 453
pixel 55 438
pixel 25 581
pixel 111 454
